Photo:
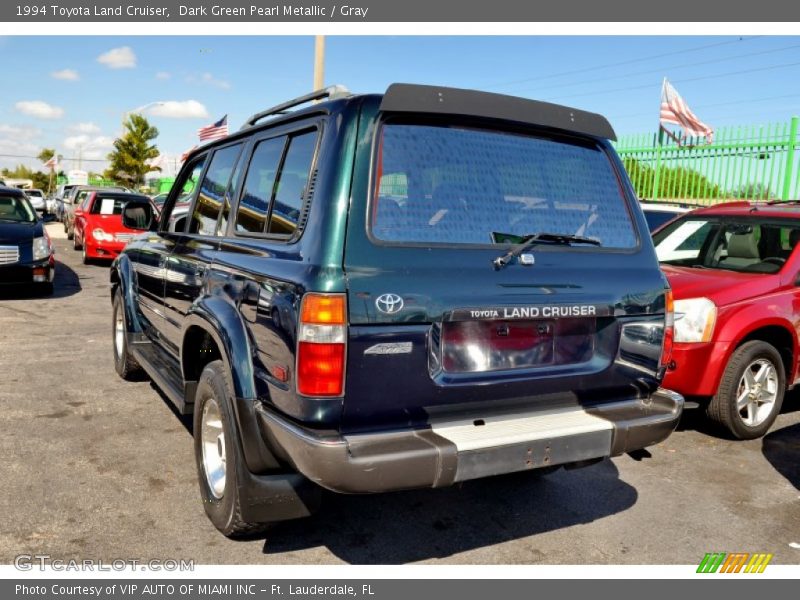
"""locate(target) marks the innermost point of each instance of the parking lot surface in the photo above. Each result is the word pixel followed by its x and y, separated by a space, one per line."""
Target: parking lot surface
pixel 94 467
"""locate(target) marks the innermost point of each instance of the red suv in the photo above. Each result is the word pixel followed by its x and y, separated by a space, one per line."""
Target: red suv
pixel 99 231
pixel 735 275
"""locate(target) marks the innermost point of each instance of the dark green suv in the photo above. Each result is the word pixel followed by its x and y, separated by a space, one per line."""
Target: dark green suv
pixel 381 292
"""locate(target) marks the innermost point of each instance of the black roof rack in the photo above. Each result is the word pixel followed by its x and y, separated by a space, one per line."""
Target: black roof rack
pixel 331 92
pixel 404 97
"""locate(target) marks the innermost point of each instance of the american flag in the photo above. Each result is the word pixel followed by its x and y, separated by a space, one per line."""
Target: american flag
pixel 675 111
pixel 214 131
pixel 52 163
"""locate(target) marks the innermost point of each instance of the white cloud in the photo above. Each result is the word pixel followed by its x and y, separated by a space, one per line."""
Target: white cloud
pixel 163 75
pixel 83 128
pixel 39 109
pixel 19 133
pixel 65 75
pixel 18 142
pixel 209 79
pixel 87 147
pixel 179 109
pixel 118 58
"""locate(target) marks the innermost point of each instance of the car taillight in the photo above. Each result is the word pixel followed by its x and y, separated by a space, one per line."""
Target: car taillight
pixel 321 345
pixel 669 329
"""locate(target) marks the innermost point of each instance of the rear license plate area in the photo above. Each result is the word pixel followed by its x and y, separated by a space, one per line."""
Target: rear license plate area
pixel 480 346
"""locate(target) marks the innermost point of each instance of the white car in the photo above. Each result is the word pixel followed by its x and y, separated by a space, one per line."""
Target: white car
pixel 37 200
pixel 658 213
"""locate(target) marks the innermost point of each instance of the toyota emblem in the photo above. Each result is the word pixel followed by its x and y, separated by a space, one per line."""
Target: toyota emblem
pixel 389 303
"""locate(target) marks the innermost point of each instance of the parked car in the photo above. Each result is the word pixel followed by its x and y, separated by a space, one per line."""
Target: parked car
pixel 74 198
pixel 51 205
pixel 659 213
pixel 98 228
pixel 26 253
pixel 61 192
pixel 734 269
pixel 37 200
pixel 159 200
pixel 406 290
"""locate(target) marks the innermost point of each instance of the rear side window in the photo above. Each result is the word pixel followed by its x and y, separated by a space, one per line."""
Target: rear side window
pixel 213 190
pixel 454 185
pixel 259 186
pixel 275 185
pixel 292 182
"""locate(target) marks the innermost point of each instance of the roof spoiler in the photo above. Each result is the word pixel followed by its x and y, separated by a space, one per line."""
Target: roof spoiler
pixel 331 93
pixel 409 98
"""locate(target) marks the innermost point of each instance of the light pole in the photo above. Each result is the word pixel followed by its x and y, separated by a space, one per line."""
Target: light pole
pixel 139 110
pixel 319 62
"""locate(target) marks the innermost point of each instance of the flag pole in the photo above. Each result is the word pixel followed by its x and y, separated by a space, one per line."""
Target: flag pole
pixel 659 143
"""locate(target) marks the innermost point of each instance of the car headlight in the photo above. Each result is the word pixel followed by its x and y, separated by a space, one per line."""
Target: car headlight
pixel 694 320
pixel 41 248
pixel 102 236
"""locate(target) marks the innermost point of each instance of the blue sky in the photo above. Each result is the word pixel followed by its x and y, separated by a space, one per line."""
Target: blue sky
pixel 71 92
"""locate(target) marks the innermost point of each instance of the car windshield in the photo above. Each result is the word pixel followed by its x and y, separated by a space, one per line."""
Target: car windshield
pixel 14 208
pixel 744 244
pixel 112 205
pixel 34 193
pixel 456 185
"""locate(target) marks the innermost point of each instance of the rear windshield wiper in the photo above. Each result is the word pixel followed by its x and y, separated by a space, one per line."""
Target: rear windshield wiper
pixel 529 241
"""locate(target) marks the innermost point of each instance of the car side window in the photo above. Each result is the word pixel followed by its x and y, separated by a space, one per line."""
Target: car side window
pixel 259 186
pixel 213 189
pixel 187 184
pixel 292 184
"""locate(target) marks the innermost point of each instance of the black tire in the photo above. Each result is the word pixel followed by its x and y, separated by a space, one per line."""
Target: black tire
pixel 70 233
pixel 124 363
pixel 723 407
pixel 75 244
pixel 84 257
pixel 223 509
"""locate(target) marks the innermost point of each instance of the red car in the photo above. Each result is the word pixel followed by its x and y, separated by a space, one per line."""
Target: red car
pixel 734 269
pixel 99 231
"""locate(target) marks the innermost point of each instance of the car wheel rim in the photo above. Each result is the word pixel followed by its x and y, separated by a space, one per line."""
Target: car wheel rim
pixel 212 440
pixel 757 392
pixel 119 332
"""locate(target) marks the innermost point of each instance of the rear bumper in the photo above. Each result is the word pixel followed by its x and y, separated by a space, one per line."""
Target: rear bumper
pixel 448 452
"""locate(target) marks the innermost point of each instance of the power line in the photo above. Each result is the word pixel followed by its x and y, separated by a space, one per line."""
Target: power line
pixel 624 62
pixel 703 78
pixel 663 69
pixel 62 158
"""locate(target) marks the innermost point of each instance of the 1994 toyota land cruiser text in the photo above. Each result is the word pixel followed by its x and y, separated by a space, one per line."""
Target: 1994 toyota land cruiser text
pixel 382 292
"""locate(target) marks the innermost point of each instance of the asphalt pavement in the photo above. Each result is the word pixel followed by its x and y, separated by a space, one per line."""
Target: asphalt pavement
pixel 95 467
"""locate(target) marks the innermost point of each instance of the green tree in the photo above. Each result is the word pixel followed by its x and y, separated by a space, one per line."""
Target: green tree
pixel 132 151
pixel 46 154
pixel 40 179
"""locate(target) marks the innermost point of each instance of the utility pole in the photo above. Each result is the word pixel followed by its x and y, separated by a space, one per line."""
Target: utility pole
pixel 319 62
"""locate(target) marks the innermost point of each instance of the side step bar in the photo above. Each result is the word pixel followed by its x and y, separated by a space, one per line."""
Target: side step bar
pixel 164 373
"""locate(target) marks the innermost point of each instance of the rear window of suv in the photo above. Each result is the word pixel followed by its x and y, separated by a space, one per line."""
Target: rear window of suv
pixel 457 185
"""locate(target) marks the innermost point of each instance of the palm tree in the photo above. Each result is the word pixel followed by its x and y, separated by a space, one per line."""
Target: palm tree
pixel 132 151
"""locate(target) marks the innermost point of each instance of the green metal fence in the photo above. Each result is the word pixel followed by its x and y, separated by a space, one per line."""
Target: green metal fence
pixel 752 162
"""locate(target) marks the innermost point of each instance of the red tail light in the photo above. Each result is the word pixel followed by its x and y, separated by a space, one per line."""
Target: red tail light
pixel 321 345
pixel 669 329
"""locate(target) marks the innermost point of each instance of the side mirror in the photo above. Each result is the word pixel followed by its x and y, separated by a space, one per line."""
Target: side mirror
pixel 138 215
